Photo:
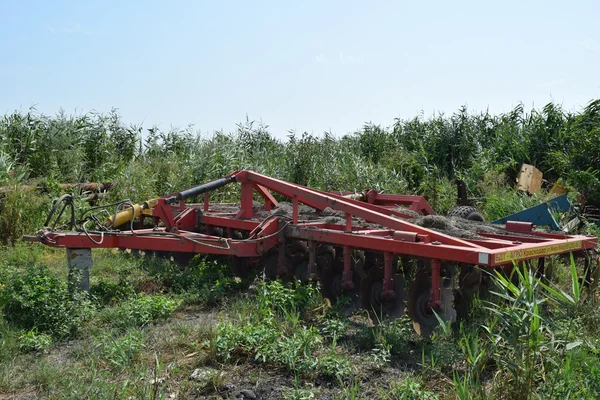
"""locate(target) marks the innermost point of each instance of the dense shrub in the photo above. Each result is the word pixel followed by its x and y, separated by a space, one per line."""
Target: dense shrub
pixel 34 298
pixel 108 292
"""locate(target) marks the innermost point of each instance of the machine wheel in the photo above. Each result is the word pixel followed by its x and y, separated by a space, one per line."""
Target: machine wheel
pixel 371 289
pixel 467 212
pixel 423 317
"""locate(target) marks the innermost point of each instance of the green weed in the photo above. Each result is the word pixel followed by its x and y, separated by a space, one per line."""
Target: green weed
pixel 34 341
pixel 409 388
pixel 139 312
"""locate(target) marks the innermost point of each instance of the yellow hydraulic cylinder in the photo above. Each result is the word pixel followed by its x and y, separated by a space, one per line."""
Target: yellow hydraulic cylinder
pixel 130 213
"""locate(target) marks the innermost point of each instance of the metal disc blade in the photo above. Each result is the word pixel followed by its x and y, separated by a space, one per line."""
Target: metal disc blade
pixel 423 317
pixel 448 314
pixel 469 287
pixel 371 295
pixel 396 308
pixel 471 281
pixel 331 284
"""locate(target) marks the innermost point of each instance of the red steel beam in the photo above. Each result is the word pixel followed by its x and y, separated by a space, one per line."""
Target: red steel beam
pixel 481 256
pixel 197 243
pixel 269 199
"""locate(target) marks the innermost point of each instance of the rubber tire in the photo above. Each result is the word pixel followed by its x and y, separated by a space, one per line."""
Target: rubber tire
pixel 468 213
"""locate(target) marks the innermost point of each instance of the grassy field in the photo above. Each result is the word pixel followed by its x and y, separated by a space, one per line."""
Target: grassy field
pixel 150 330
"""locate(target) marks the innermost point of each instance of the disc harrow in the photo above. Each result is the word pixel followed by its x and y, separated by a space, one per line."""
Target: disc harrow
pixel 370 249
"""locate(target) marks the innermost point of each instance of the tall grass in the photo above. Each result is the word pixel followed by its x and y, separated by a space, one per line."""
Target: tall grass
pixel 534 341
pixel 406 155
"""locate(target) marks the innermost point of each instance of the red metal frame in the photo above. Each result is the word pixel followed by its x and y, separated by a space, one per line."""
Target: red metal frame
pixel 415 203
pixel 189 227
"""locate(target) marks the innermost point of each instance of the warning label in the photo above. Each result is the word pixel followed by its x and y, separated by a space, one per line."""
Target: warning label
pixel 536 252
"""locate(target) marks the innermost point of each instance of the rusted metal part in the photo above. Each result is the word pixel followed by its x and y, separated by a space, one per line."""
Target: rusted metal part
pixel 516 226
pixel 93 191
pixel 435 296
pixel 347 283
pixel 388 285
pixel 312 259
pixel 87 187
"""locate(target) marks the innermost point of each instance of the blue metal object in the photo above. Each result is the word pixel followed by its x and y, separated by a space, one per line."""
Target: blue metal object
pixel 540 215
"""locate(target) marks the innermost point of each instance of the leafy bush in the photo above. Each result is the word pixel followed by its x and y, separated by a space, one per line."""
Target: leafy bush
pixel 204 281
pixel 139 312
pixel 33 298
pixel 108 292
pixel 33 340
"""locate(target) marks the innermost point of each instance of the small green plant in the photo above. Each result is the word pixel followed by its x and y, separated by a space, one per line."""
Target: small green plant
pixel 380 356
pixel 351 390
pixel 107 292
pixel 139 312
pixel 265 342
pixel 288 300
pixel 334 365
pixel 33 340
pixel 392 335
pixel 409 388
pixel 298 392
pixel 333 329
pixel 121 352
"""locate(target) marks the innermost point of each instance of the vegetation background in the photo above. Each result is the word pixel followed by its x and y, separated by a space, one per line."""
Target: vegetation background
pixel 540 340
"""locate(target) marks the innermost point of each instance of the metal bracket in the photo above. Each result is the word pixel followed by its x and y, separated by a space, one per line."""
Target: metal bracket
pixel 80 263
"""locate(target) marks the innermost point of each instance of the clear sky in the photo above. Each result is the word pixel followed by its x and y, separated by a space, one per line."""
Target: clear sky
pixel 307 66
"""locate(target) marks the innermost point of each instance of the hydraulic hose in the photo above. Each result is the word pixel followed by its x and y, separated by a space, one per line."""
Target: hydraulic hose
pixel 197 190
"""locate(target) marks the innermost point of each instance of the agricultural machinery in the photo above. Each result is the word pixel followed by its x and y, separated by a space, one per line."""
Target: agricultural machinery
pixel 386 253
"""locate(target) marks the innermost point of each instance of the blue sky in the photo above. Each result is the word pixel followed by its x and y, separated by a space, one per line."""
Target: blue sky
pixel 309 66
